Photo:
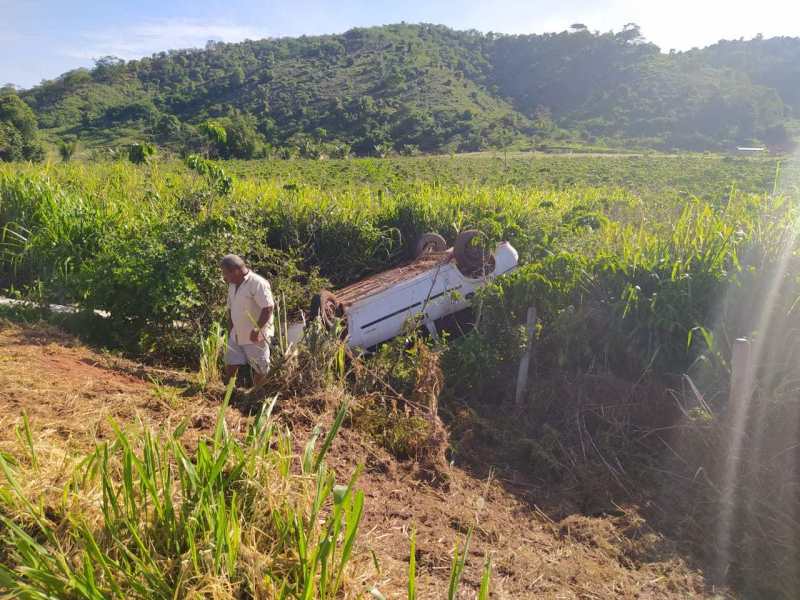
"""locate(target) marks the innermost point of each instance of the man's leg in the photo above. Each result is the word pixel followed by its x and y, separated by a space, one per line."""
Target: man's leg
pixel 230 371
pixel 259 379
pixel 258 357
pixel 235 357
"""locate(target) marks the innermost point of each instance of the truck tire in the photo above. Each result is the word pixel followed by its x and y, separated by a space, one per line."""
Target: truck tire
pixel 327 307
pixel 472 258
pixel 429 242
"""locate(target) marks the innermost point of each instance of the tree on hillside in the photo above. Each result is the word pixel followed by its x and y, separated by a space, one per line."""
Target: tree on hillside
pixel 244 141
pixel 67 148
pixel 168 129
pixel 631 34
pixel 140 154
pixel 237 77
pixel 232 137
pixel 215 132
pixel 108 69
pixel 430 87
pixel 18 131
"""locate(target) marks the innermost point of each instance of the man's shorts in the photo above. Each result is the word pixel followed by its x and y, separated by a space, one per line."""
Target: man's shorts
pixel 255 355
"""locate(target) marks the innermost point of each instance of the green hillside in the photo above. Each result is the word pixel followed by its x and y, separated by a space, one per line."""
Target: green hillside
pixel 426 88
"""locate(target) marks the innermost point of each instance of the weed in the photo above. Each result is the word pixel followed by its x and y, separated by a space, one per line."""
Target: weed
pixel 212 349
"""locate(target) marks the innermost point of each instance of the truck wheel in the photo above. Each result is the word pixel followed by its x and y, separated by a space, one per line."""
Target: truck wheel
pixel 327 307
pixel 472 257
pixel 430 242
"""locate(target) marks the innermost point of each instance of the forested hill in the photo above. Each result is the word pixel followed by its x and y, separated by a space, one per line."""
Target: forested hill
pixel 427 88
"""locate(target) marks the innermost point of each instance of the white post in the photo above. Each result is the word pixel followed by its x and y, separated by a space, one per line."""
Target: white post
pixel 524 363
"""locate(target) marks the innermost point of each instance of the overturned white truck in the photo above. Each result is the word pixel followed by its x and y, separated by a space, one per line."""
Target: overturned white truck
pixel 438 283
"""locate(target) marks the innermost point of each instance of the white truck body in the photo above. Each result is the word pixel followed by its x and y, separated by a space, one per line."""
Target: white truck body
pixel 377 308
pixel 436 292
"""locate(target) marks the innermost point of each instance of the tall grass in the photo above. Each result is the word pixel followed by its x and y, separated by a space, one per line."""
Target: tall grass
pixel 212 349
pixel 142 517
pixel 171 523
pixel 142 242
pixel 623 278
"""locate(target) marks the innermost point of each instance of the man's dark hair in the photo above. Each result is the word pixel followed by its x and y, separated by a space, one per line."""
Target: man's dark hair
pixel 232 261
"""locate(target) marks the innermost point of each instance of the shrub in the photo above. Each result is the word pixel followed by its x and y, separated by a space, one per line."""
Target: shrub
pixel 67 148
pixel 141 153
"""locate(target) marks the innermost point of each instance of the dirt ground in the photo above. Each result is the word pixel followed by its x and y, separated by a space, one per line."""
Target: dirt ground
pixel 71 394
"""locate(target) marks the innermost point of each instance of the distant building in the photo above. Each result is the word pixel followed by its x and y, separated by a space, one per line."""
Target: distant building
pixel 750 149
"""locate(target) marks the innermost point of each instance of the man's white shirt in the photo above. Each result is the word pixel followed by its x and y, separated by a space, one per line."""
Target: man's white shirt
pixel 246 304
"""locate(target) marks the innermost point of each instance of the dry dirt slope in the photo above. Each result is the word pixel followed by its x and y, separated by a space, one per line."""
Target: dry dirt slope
pixel 70 394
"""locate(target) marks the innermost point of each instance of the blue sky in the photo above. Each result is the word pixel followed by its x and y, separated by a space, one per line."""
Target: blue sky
pixel 43 38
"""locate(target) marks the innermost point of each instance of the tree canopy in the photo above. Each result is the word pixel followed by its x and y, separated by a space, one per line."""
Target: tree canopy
pixel 427 88
pixel 18 130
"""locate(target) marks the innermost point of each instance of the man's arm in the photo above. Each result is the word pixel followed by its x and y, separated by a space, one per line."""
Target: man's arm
pixel 263 298
pixel 228 317
pixel 263 319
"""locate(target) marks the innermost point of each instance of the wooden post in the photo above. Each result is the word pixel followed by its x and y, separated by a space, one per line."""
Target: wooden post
pixel 525 361
pixel 741 373
pixel 742 386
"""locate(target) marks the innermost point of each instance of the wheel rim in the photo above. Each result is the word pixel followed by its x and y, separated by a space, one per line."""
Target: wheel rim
pixel 473 259
pixel 329 311
pixel 430 242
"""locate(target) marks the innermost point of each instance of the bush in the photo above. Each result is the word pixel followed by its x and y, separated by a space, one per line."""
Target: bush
pixel 162 285
pixel 67 148
pixel 18 130
pixel 139 154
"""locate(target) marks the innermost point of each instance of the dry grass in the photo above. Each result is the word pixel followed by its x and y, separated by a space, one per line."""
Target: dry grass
pixel 42 371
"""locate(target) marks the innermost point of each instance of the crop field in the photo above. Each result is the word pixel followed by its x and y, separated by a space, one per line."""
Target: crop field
pixel 702 175
pixel 642 270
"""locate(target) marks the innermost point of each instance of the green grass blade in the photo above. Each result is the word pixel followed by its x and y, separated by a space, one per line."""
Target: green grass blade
pixel 337 423
pixel 483 593
pixel 457 567
pixel 412 567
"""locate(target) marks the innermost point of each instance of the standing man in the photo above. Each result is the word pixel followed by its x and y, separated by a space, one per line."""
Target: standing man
pixel 250 323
